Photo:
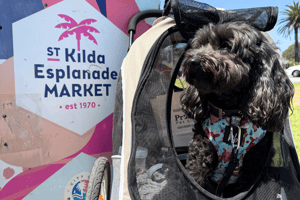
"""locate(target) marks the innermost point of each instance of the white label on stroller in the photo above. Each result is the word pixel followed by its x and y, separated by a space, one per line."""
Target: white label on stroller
pixel 180 123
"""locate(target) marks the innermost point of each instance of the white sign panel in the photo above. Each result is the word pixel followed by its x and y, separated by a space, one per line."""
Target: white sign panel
pixel 67 59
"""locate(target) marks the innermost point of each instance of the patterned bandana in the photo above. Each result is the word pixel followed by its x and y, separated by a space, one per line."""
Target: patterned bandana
pixel 215 131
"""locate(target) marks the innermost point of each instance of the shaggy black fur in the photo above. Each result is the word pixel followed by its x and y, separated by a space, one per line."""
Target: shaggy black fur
pixel 233 66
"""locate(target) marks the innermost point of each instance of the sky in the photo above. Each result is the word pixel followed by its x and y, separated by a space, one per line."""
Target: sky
pixel 282 42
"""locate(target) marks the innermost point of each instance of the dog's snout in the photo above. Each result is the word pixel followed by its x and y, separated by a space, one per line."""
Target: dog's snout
pixel 194 61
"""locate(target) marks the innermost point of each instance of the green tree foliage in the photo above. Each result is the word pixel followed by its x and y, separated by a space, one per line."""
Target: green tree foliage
pixel 289 53
pixel 291 23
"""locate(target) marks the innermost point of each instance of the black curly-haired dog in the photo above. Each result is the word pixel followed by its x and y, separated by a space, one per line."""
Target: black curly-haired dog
pixel 233 66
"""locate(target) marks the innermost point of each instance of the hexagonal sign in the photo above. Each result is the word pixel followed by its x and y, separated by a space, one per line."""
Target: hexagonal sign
pixel 67 59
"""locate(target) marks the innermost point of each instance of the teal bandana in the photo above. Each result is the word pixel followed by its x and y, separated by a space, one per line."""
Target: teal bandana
pixel 215 130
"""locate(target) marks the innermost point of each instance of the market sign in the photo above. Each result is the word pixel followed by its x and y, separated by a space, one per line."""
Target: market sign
pixel 66 60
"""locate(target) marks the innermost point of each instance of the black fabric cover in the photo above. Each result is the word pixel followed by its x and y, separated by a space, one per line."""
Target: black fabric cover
pixel 191 15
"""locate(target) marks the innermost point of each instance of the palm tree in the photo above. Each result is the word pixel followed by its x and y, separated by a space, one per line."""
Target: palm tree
pixel 291 23
pixel 77 28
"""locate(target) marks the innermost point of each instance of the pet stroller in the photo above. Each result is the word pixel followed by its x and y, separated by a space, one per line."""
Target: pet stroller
pixel 151 133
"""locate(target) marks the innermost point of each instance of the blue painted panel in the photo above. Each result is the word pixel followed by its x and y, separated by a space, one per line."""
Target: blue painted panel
pixel 54 188
pixel 10 12
pixel 102 6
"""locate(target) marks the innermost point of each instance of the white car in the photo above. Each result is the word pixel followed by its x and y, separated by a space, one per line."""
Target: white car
pixel 293 71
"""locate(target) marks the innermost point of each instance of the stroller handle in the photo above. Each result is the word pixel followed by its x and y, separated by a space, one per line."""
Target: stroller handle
pixel 137 18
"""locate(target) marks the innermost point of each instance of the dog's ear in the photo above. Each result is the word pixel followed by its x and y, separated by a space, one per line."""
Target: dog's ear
pixel 271 96
pixel 193 104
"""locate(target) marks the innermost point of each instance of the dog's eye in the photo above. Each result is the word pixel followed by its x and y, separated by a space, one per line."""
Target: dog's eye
pixel 225 46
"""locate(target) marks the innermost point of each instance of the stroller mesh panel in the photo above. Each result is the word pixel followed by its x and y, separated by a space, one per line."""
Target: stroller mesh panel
pixel 117 133
pixel 277 159
pixel 157 175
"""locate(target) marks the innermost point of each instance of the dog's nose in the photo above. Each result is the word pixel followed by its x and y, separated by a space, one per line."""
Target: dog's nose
pixel 194 61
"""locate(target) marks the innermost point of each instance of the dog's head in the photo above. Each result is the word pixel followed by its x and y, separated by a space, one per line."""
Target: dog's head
pixel 236 63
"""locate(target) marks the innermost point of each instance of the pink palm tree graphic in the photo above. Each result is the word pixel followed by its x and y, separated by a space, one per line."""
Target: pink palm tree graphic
pixel 77 28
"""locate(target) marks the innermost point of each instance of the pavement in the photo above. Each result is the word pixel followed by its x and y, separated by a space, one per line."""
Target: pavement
pixel 295 79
